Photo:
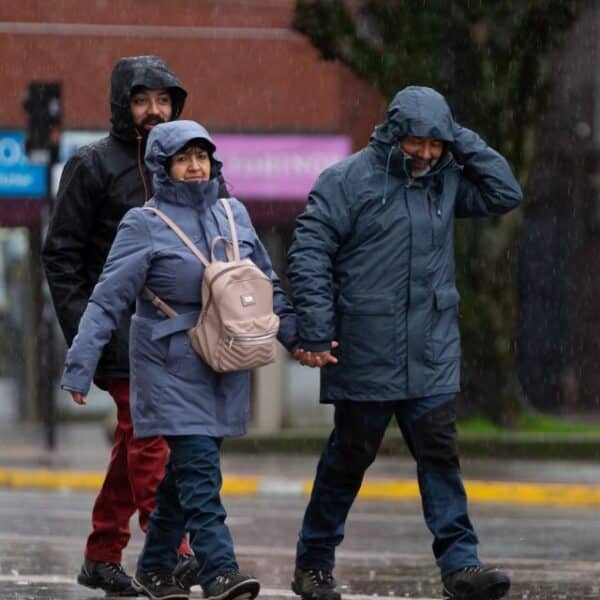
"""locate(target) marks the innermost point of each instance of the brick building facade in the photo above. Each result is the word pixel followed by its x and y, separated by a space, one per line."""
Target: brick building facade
pixel 245 69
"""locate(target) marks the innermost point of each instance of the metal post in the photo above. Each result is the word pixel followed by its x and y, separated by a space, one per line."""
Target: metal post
pixel 269 381
pixel 43 105
pixel 269 385
pixel 32 323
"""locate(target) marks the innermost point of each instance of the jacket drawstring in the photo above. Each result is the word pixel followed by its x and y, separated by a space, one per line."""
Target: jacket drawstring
pixel 387 170
pixel 138 137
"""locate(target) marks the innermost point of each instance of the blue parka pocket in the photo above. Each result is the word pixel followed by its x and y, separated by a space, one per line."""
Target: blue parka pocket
pixel 366 330
pixel 180 358
pixel 183 361
pixel 444 342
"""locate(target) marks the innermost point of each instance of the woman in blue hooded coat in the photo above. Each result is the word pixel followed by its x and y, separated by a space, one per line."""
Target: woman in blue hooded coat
pixel 173 392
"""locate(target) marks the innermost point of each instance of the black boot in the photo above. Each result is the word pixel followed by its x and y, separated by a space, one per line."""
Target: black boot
pixel 315 584
pixel 186 571
pixel 159 586
pixel 231 586
pixel 106 576
pixel 476 583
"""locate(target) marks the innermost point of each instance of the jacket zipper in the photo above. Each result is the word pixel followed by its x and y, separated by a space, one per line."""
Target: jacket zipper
pixel 138 138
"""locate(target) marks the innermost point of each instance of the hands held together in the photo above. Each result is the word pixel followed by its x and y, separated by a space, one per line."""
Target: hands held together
pixel 304 357
pixel 316 359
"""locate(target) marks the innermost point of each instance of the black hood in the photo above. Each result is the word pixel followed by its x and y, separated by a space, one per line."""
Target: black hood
pixel 133 71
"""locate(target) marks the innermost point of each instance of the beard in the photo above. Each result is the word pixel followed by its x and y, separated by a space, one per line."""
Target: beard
pixel 149 122
pixel 423 167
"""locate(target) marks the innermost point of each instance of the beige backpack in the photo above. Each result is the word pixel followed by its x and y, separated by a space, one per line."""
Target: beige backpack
pixel 237 327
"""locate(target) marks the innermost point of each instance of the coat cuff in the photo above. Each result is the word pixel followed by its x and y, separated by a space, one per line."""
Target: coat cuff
pixel 75 384
pixel 315 346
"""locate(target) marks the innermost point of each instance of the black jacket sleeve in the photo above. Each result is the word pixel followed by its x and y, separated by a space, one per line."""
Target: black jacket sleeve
pixel 69 231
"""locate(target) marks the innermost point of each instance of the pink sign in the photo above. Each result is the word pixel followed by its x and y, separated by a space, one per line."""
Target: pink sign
pixel 278 167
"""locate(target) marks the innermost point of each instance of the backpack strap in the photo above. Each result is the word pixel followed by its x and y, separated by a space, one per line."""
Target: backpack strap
pixel 184 238
pixel 156 301
pixel 232 228
pixel 162 306
pixel 228 248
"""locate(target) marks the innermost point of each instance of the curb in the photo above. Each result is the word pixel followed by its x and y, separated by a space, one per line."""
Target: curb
pixel 504 492
pixel 499 446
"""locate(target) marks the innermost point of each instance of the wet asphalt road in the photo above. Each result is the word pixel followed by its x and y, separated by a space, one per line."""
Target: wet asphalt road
pixel 550 553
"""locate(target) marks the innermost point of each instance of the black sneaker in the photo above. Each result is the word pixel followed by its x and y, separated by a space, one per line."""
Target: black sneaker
pixel 106 576
pixel 159 586
pixel 186 571
pixel 476 583
pixel 232 586
pixel 315 584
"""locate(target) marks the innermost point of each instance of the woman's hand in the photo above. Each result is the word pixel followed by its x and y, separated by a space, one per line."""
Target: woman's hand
pixel 78 398
pixel 316 359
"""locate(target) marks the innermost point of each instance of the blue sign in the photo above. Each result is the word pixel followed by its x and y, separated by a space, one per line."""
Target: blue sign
pixel 19 178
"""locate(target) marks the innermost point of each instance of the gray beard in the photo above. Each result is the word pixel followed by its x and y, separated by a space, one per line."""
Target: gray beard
pixel 422 172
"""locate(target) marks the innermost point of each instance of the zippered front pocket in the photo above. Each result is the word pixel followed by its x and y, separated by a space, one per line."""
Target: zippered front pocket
pixel 248 344
pixel 231 339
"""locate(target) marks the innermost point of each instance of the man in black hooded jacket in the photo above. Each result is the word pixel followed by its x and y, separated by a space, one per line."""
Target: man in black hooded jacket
pixel 99 184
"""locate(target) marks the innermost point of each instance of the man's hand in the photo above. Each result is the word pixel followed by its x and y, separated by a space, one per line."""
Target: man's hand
pixel 316 359
pixel 465 141
pixel 78 398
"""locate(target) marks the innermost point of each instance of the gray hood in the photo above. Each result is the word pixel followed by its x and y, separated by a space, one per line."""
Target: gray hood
pixel 418 111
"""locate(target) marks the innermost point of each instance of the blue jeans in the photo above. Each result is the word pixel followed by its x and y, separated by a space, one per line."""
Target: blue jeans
pixel 188 500
pixel 428 427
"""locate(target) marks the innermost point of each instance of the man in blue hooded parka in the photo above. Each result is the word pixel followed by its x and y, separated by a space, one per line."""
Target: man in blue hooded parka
pixel 371 269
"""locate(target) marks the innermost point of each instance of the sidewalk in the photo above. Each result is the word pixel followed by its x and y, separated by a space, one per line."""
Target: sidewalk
pixel 250 469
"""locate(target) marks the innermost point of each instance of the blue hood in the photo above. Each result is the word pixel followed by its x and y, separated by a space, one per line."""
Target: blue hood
pixel 418 111
pixel 164 141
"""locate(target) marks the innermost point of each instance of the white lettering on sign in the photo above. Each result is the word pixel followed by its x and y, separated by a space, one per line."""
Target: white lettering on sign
pixel 15 180
pixel 271 164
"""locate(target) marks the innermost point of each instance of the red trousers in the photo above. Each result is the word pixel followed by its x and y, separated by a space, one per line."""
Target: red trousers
pixel 135 469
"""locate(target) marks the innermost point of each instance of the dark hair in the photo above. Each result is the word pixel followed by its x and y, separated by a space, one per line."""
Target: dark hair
pixel 178 96
pixel 195 143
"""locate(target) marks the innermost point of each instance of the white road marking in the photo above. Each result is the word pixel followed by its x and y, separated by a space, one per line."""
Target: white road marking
pixel 26 579
pixel 345 595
